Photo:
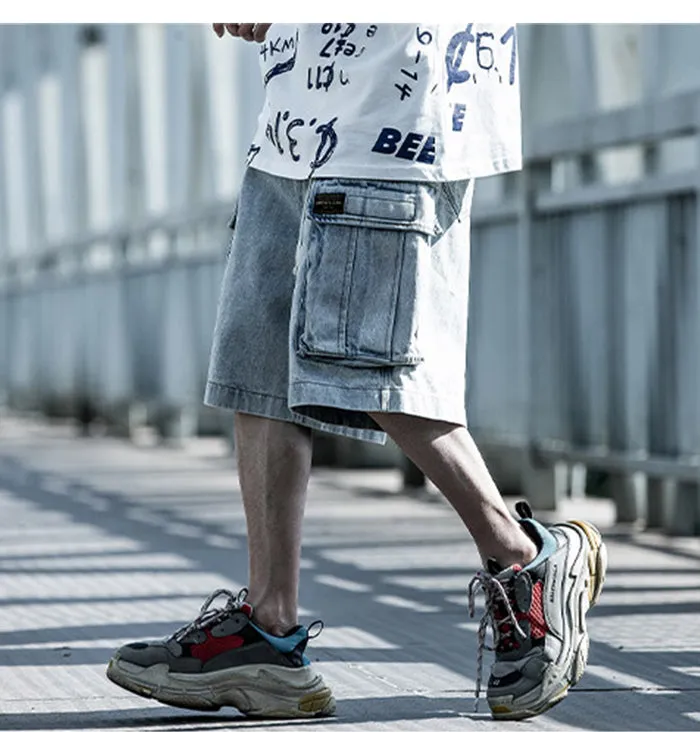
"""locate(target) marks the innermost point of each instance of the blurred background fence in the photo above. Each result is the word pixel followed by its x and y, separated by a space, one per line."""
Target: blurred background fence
pixel 121 151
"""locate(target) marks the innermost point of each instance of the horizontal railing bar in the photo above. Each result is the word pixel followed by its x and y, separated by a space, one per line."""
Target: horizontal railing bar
pixel 644 123
pixel 598 196
pixel 654 466
pixel 504 212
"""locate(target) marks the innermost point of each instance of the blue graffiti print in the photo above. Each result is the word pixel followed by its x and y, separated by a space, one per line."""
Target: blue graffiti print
pixel 273 132
pixel 486 50
pixel 338 42
pixel 414 145
pixel 279 46
pixel 336 45
pixel 425 38
pixel 324 76
pixel 484 53
pixel 253 150
pixel 282 129
pixel 458 117
pixel 508 36
pixel 292 142
pixel 327 144
pixel 455 55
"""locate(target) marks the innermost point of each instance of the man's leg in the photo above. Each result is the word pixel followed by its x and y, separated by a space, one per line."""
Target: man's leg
pixel 274 462
pixel 447 454
pixel 249 652
pixel 246 650
pixel 540 637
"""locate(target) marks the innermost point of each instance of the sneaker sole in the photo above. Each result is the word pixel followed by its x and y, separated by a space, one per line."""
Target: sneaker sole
pixel 260 691
pixel 597 559
pixel 597 567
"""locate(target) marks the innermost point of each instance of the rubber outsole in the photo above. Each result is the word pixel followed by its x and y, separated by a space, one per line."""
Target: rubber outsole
pixel 319 703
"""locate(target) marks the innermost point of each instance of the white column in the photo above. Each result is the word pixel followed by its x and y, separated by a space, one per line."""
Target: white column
pixel 579 54
pixel 228 149
pixel 73 171
pixel 124 125
pixel 4 233
pixel 200 94
pixel 27 49
pixel 178 119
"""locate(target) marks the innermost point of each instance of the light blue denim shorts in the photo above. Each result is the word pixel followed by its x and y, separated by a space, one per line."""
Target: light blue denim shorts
pixel 342 297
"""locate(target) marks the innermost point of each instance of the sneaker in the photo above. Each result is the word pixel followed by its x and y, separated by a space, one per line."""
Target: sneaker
pixel 538 617
pixel 223 658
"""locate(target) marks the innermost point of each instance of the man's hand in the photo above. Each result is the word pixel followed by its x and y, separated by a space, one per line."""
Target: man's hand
pixel 247 31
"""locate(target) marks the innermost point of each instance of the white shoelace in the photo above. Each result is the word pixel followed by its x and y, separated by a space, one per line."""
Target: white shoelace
pixel 493 592
pixel 209 615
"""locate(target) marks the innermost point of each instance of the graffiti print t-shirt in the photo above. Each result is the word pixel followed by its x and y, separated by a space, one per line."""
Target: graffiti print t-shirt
pixel 396 101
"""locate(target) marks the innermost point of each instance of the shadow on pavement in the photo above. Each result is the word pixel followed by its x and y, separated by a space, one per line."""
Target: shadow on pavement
pixel 413 616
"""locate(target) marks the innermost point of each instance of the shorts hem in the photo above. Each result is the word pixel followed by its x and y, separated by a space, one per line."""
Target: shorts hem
pixel 243 400
pixel 309 397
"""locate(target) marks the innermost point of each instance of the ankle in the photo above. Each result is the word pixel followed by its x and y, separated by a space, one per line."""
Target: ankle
pixel 522 554
pixel 527 554
pixel 274 617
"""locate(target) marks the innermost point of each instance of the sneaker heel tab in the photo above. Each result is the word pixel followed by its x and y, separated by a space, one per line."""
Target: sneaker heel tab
pixel 315 629
pixel 541 536
pixel 522 508
pixel 533 529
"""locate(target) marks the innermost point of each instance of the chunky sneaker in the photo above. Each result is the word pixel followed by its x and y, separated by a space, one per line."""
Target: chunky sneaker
pixel 223 658
pixel 538 617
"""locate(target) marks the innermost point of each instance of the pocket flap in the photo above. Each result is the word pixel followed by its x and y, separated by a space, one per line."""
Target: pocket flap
pixel 374 205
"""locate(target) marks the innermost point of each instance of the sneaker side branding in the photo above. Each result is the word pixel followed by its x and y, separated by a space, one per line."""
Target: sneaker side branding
pixel 553 599
pixel 555 570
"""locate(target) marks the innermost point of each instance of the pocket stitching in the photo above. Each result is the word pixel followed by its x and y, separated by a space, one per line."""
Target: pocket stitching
pixel 347 292
pixel 343 352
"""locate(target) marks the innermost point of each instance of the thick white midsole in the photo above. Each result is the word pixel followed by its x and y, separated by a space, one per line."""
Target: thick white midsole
pixel 256 689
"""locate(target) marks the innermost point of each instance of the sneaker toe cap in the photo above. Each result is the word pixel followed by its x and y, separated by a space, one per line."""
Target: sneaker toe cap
pixel 144 654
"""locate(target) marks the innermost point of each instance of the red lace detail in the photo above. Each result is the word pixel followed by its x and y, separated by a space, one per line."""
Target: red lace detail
pixel 535 616
pixel 538 625
pixel 214 646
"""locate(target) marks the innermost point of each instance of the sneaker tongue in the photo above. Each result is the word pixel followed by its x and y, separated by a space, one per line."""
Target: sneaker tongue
pixel 493 567
pixel 507 574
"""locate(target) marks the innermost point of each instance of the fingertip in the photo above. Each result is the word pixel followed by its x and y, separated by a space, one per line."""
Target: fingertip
pixel 261 32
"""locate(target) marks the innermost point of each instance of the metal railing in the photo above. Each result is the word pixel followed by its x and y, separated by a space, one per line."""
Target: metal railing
pixel 584 347
pixel 604 369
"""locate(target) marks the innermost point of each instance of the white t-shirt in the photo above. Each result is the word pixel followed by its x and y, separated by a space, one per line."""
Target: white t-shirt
pixel 398 101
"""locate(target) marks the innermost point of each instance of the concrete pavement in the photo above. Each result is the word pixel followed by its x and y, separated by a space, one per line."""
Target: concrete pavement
pixel 102 542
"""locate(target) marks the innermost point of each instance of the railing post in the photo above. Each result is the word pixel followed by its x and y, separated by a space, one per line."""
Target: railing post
pixel 681 499
pixel 72 129
pixel 543 484
pixel 5 312
pixel 637 240
pixel 179 400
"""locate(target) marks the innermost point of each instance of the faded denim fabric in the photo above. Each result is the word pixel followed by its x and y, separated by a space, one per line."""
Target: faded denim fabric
pixel 341 297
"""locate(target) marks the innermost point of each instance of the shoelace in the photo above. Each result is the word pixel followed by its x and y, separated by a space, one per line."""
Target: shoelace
pixel 209 615
pixel 494 592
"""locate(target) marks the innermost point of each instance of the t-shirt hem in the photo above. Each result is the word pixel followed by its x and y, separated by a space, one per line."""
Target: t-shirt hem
pixel 415 173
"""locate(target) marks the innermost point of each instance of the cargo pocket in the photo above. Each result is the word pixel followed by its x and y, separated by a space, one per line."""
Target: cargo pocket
pixel 366 256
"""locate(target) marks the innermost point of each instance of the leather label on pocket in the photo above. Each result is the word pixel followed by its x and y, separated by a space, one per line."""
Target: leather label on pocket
pixel 329 204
